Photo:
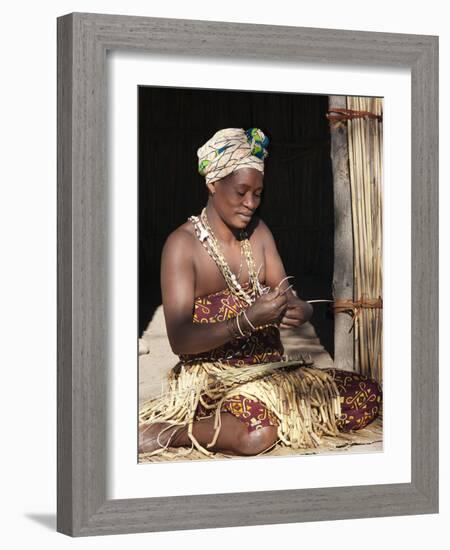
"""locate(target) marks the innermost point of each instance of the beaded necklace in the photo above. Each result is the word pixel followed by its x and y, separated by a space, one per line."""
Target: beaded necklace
pixel 206 236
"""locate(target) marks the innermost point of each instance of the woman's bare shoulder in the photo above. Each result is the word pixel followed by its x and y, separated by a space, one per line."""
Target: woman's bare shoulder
pixel 181 241
pixel 259 229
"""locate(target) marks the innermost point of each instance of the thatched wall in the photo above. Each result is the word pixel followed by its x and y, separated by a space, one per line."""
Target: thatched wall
pixel 298 196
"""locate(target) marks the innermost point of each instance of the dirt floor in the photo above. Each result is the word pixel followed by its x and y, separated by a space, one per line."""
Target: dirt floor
pixel 156 359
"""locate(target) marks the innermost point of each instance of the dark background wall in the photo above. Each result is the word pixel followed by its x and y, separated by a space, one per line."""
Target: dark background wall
pixel 297 202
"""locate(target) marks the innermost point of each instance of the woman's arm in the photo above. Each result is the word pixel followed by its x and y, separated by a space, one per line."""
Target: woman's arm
pixel 178 288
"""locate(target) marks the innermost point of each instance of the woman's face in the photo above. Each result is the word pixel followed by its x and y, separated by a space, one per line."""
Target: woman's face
pixel 236 197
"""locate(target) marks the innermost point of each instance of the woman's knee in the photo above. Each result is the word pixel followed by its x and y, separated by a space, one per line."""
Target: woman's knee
pixel 256 441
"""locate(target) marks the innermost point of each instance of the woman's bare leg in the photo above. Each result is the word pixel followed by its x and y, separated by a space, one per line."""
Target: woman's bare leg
pixel 233 438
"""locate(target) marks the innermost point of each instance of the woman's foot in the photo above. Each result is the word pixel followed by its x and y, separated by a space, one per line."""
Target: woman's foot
pixel 158 435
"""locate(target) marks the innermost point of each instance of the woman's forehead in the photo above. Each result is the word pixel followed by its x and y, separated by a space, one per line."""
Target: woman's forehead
pixel 247 176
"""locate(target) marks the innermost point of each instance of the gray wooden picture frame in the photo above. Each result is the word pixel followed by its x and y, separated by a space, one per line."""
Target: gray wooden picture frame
pixel 83 41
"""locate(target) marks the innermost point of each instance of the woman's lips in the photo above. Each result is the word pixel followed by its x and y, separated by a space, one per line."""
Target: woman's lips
pixel 247 217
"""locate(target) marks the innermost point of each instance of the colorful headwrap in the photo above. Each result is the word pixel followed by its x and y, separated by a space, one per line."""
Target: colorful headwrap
pixel 231 149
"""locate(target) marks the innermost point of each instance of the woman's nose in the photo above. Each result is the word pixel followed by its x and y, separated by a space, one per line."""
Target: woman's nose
pixel 250 202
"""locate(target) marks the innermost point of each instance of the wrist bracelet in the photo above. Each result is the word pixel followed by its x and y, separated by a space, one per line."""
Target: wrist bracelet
pixel 229 328
pixel 248 320
pixel 239 326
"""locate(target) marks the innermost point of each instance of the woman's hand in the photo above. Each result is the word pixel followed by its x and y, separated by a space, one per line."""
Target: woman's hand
pixel 297 312
pixel 268 308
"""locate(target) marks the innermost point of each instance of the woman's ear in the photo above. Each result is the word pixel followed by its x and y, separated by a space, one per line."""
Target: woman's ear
pixel 211 188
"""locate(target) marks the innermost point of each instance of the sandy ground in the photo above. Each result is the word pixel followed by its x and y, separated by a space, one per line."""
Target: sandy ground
pixel 156 359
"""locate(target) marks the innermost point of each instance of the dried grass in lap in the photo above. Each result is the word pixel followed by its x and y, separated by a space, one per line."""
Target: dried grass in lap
pixel 304 399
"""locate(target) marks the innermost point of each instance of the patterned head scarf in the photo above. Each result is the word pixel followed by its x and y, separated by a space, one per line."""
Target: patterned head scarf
pixel 231 149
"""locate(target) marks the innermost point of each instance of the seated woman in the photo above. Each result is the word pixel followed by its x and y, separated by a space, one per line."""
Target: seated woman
pixel 225 295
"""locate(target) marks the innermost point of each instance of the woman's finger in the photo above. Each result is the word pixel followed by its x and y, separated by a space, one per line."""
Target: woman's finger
pixel 280 311
pixel 290 323
pixel 294 313
pixel 281 300
pixel 273 295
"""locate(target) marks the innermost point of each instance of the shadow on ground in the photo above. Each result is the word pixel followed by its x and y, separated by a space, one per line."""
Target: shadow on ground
pixel 47 520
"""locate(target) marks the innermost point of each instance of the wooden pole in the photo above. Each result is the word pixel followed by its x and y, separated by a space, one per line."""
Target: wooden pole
pixel 343 239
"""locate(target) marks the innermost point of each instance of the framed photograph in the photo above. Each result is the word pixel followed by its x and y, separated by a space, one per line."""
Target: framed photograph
pixel 161 120
pixel 298 201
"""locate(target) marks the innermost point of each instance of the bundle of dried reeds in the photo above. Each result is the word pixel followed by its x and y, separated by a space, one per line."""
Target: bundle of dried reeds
pixel 305 399
pixel 365 136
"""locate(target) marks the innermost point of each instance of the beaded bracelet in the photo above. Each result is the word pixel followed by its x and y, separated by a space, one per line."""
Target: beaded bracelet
pixel 252 326
pixel 236 331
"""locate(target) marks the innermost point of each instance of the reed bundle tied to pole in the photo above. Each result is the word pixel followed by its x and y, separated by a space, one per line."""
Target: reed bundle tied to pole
pixel 365 135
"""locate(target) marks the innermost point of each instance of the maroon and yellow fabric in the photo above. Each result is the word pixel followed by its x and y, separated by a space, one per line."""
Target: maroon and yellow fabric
pixel 263 346
pixel 360 399
pixel 360 396
pixel 253 413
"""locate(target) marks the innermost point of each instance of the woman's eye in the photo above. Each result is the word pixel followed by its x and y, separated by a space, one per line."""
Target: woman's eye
pixel 242 194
